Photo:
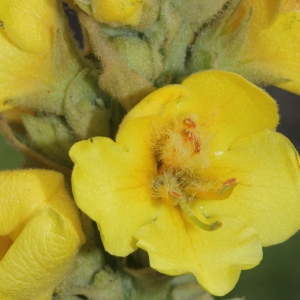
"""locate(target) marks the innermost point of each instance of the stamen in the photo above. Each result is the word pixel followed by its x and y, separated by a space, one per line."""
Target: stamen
pixel 192 138
pixel 174 194
pixel 220 193
pixel 190 123
pixel 196 144
pixel 185 132
pixel 187 210
pixel 227 187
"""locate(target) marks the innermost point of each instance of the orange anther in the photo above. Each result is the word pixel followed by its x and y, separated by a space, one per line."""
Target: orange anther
pixel 174 193
pixel 190 123
pixel 185 132
pixel 231 181
pixel 196 144
pixel 227 187
pixel 192 138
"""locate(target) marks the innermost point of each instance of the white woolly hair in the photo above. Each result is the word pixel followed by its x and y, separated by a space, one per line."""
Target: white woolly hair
pixel 177 152
pixel 180 167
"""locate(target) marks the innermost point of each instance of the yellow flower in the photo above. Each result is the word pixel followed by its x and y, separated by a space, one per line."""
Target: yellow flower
pixel 197 177
pixel 27 34
pixel 258 40
pixel 271 42
pixel 40 233
pixel 125 12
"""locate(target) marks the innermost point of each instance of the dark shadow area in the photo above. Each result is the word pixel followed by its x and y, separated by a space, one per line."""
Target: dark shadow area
pixel 289 109
pixel 9 157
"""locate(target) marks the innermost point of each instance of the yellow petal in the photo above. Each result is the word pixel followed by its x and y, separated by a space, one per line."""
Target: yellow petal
pixel 291 5
pixel 126 12
pixel 112 185
pixel 226 105
pixel 155 102
pixel 26 41
pixel 38 259
pixel 176 246
pixel 30 25
pixel 264 12
pixel 231 106
pixel 267 194
pixel 284 56
pixel 23 192
pixel 40 233
pixel 276 49
pixel 21 72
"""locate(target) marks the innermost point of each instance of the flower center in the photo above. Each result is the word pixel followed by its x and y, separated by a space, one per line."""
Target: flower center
pixel 181 160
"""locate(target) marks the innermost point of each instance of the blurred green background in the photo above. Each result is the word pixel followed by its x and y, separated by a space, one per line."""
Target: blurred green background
pixel 278 276
pixel 9 158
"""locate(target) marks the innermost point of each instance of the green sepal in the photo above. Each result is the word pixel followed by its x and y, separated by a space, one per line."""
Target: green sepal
pixel 85 111
pixel 138 56
pixel 197 13
pixel 85 6
pixel 175 56
pixel 50 136
pixel 146 284
pixel 215 46
pixel 89 261
pixel 116 79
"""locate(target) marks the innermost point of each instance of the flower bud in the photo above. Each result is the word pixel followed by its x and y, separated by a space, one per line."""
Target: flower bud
pixel 26 39
pixel 40 233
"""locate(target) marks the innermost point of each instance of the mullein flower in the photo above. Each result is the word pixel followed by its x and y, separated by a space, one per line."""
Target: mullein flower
pixel 27 35
pixel 273 41
pixel 257 39
pixel 40 233
pixel 197 177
